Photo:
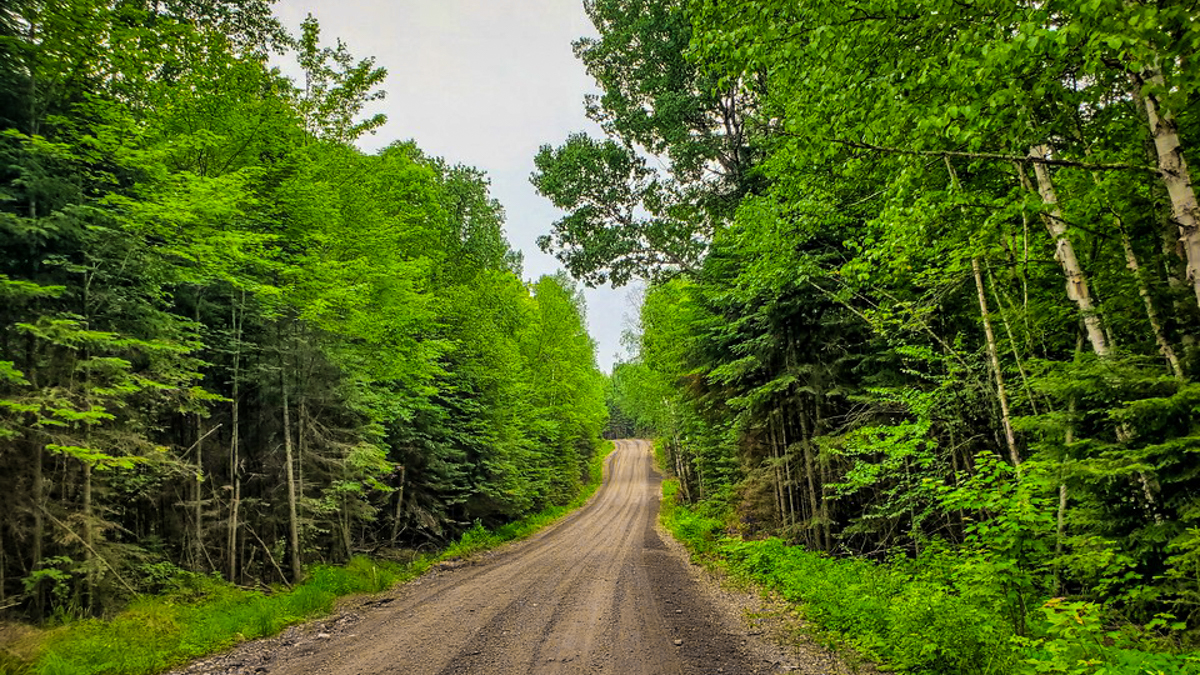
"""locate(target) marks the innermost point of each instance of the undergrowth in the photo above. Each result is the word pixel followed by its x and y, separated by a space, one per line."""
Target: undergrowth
pixel 936 615
pixel 202 615
pixel 479 538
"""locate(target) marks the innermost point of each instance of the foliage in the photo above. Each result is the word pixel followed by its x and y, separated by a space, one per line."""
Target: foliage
pixel 931 615
pixel 625 219
pixel 231 341
pixel 941 324
pixel 203 615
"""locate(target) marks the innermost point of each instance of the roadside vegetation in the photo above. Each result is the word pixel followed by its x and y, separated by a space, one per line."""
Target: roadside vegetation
pixel 929 614
pixel 201 615
pixel 919 330
pixel 479 538
pixel 234 344
pixel 197 615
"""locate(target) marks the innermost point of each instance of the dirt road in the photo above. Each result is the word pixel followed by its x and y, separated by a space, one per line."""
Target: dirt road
pixel 597 593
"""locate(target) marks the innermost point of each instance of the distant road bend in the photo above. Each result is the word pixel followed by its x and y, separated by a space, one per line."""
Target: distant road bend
pixel 598 592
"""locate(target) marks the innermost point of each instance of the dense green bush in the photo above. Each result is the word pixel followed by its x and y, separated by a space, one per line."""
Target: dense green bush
pixel 943 612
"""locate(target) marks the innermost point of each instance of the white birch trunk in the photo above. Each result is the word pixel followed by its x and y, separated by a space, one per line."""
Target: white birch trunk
pixel 1064 253
pixel 1173 170
pixel 1160 337
pixel 994 356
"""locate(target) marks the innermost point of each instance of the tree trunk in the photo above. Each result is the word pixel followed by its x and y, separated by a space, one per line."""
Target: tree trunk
pixel 37 486
pixel 1143 284
pixel 1060 534
pixel 1077 284
pixel 787 465
pixel 1160 337
pixel 1077 288
pixel 33 114
pixel 399 507
pixel 198 553
pixel 993 351
pixel 994 357
pixel 234 471
pixel 1174 172
pixel 89 539
pixel 289 467
pixel 1061 515
pixel 956 469
pixel 776 471
pixel 818 431
pixel 813 505
pixel 826 521
pixel 1012 341
pixel 347 535
pixel 3 570
pixel 677 452
pixel 301 443
pixel 198 499
pixel 681 472
pixel 1173 261
pixel 39 520
pixel 305 424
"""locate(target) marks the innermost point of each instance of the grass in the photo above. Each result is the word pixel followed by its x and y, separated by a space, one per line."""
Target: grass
pixel 205 615
pixel 912 617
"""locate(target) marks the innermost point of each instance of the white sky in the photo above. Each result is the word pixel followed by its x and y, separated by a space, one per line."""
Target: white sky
pixel 483 83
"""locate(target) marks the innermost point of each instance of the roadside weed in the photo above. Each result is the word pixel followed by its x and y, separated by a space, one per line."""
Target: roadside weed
pixel 944 612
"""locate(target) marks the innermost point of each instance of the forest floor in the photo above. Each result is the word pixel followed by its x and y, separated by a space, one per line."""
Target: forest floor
pixel 602 591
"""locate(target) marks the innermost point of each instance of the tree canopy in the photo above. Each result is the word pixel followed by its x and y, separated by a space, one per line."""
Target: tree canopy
pixel 231 341
pixel 946 311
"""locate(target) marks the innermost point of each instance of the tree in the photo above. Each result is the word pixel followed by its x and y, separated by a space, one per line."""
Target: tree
pixel 605 236
pixel 953 317
pixel 233 342
pixel 625 219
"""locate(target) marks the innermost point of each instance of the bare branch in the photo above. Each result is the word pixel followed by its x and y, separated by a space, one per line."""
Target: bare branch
pixel 1048 161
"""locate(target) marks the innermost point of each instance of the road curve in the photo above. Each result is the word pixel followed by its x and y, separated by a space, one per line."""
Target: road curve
pixel 596 593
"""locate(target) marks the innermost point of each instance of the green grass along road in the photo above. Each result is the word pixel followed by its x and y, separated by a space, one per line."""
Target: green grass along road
pixel 916 616
pixel 894 612
pixel 203 615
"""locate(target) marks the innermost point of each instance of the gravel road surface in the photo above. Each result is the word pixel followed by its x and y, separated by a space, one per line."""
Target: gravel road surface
pixel 598 592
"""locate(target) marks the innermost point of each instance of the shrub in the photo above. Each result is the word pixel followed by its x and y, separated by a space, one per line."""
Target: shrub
pixel 946 612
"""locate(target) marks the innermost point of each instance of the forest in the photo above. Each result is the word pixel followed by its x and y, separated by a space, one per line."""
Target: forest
pixel 234 344
pixel 920 335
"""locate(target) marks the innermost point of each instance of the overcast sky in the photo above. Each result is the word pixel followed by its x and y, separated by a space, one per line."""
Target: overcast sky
pixel 484 83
